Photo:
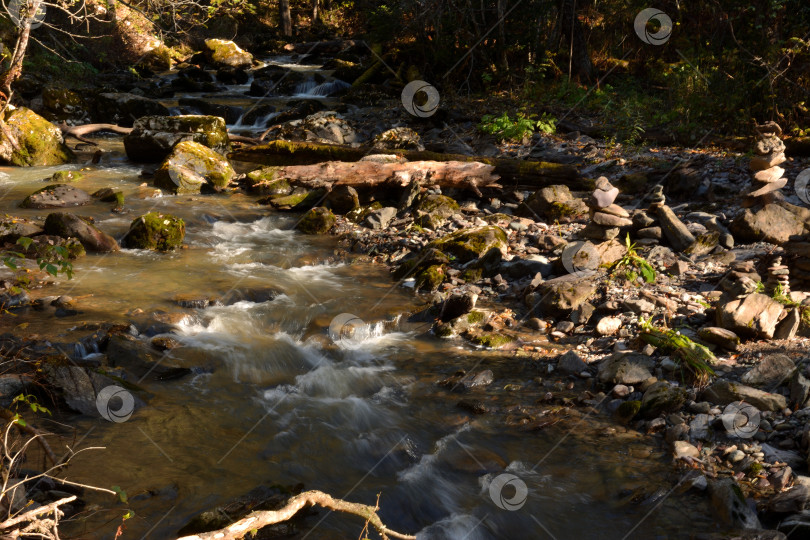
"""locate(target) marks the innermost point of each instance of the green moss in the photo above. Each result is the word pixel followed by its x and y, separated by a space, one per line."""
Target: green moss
pixel 493 341
pixel 444 331
pixel 66 176
pixel 359 214
pixel 431 277
pixel 627 410
pixel 472 275
pixel 119 198
pixel 297 201
pixel 755 469
pixel 469 244
pixel 191 165
pixel 156 231
pixel 441 204
pixel 559 210
pixel 317 221
pixel 39 141
pixel 475 317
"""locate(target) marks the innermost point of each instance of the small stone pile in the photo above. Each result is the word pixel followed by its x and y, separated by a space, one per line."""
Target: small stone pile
pixel 607 217
pixel 770 153
pixel 778 276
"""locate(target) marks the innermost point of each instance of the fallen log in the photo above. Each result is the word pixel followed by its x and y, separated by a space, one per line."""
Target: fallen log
pixel 366 174
pixel 79 132
pixel 514 172
pixel 257 520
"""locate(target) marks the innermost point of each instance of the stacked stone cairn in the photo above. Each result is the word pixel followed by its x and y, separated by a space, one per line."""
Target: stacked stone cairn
pixel 607 217
pixel 778 276
pixel 768 175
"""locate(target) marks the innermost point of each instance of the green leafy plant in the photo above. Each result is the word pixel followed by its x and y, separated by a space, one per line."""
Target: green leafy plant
pixel 31 401
pixel 506 129
pixel 696 358
pixel 55 259
pixel 634 264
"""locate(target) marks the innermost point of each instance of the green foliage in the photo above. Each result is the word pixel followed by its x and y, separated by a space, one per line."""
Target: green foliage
pixel 506 129
pixel 55 260
pixel 692 356
pixel 634 264
pixel 31 401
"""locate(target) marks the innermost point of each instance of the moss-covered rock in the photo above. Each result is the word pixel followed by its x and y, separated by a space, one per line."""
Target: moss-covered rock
pixel 156 231
pixel 318 220
pixel 227 53
pixel 627 411
pixel 60 177
pixel 42 247
pixel 554 203
pixel 662 397
pixel 469 244
pixel 264 182
pixel 299 200
pixel 153 137
pixel 431 277
pixel 493 341
pixel 192 167
pixel 433 210
pixel 37 141
pixel 361 212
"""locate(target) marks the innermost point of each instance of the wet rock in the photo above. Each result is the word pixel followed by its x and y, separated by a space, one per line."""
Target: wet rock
pixel 755 315
pixel 628 369
pixel 561 295
pixel 379 219
pixel 37 141
pixel 227 53
pixel 469 244
pixel 725 392
pixel 255 295
pixel 69 225
pixel 571 363
pixel 773 223
pixel 317 220
pixel 662 397
pixel 342 199
pixel 457 304
pixel 153 137
pixel 156 231
pixel 796 525
pixel 554 203
pixel 13 228
pixel 772 371
pixel 730 505
pixel 791 501
pixel 141 359
pixel 62 104
pixel 191 167
pixel 232 75
pixel 230 114
pixel 78 386
pixel 302 199
pixel 125 109
pixel 57 196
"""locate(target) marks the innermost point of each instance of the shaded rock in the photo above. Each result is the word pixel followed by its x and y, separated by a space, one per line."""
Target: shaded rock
pixel 141 359
pixel 79 386
pixel 401 138
pixel 799 390
pixel 432 210
pixel 791 501
pixel 230 114
pixel 125 109
pixel 13 228
pixel 730 505
pixel 755 315
pixel 725 392
pixel 70 225
pixel 190 167
pixel 153 137
pixel 57 196
pixel 342 199
pixel 787 327
pixel 561 295
pixel 156 231
pixel 317 220
pixel 458 304
pixel 571 363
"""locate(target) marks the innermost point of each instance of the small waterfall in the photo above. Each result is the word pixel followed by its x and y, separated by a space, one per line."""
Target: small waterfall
pixel 329 88
pixel 304 88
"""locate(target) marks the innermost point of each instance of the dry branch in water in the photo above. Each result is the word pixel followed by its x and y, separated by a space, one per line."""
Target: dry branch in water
pixel 257 520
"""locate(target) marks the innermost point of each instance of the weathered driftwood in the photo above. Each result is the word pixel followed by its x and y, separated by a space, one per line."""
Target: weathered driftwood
pixel 513 172
pixel 257 520
pixel 447 174
pixel 78 132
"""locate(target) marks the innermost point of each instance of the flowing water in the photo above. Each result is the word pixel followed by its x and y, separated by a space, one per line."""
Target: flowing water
pixel 273 400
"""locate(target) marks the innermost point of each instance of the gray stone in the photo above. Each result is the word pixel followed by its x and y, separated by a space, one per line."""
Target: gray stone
pixel 561 295
pixel 720 336
pixel 773 223
pixel 57 196
pixel 684 449
pixel 674 229
pixel 772 371
pixel 92 238
pixel 626 369
pixel 725 392
pixel 756 315
pixel 730 505
pixel 571 363
pixel 787 327
pixel 379 219
pixel 799 390
pixel 791 501
pixel 661 397
pixel 12 229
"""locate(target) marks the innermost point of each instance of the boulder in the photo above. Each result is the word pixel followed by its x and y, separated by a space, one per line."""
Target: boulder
pixel 662 397
pixel 755 315
pixel 124 109
pixel 432 210
pixel 380 218
pixel 79 386
pixel 325 127
pixel 37 141
pixel 571 363
pixel 69 225
pixel 57 196
pixel 227 53
pixel 13 228
pixel 317 220
pixel 771 372
pixel 469 244
pixel 192 167
pixel 153 137
pixel 560 296
pixel 230 114
pixel 628 369
pixel 773 223
pixel 156 231
pixel 554 203
pixel 725 392
pixel 730 505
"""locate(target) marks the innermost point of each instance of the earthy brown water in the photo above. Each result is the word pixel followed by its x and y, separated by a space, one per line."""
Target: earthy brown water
pixel 274 401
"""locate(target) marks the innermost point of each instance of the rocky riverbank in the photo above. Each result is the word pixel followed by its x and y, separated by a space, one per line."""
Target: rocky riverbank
pixel 657 298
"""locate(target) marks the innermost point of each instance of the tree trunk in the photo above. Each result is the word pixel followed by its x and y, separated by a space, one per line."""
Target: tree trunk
pixel 580 64
pixel 370 174
pixel 285 17
pixel 514 172
pixel 15 67
pixel 316 12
